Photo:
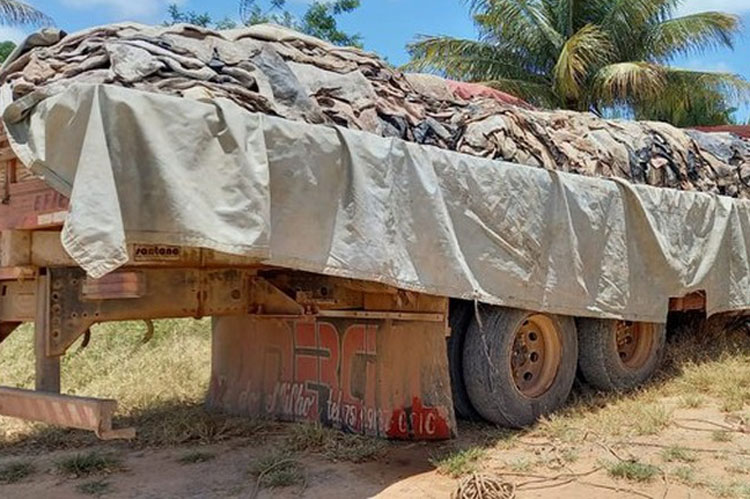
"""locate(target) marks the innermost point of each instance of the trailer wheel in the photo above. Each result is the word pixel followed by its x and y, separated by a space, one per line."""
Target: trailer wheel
pixel 519 365
pixel 459 318
pixel 619 355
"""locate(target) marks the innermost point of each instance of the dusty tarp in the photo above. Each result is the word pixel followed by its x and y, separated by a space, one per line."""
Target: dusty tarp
pixel 277 71
pixel 146 168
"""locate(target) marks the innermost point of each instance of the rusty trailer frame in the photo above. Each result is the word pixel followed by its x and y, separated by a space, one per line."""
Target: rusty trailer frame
pixel 260 309
pixel 356 355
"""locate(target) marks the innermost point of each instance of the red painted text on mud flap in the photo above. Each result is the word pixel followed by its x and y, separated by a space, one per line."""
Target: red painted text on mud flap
pixel 419 422
pixel 331 377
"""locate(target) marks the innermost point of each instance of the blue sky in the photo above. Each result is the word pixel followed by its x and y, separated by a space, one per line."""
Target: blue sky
pixel 385 25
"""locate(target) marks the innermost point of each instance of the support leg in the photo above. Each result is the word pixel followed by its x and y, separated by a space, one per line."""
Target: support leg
pixel 47 368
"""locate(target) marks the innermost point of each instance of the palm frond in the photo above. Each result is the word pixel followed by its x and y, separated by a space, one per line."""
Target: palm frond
pixel 692 98
pixel 17 12
pixel 635 12
pixel 627 20
pixel 563 15
pixel 733 86
pixel 537 93
pixel 691 34
pixel 626 82
pixel 476 6
pixel 521 20
pixel 519 34
pixel 587 49
pixel 467 59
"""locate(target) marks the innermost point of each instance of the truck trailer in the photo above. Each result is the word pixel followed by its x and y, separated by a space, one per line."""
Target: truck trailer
pixel 369 283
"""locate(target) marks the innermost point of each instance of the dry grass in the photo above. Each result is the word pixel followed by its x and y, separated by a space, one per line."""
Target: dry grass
pixel 90 463
pixel 635 471
pixel 721 436
pixel 739 490
pixel 15 471
pixel 458 463
pixel 697 370
pixel 160 385
pixel 685 475
pixel 678 454
pixel 196 457
pixel 94 488
pixel 636 414
pixel 332 444
pixel 277 469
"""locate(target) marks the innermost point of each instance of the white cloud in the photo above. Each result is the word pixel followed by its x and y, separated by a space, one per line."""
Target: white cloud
pixel 733 6
pixel 131 9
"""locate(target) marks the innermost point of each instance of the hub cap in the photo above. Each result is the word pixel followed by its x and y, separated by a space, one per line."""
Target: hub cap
pixel 634 343
pixel 536 355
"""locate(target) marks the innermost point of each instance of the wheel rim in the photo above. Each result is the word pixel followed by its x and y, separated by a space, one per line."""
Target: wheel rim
pixel 634 343
pixel 536 355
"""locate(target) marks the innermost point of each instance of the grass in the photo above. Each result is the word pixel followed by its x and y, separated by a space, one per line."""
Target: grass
pixel 710 366
pixel 685 475
pixel 739 490
pixel 160 385
pixel 692 401
pixel 334 445
pixel 15 471
pixel 698 369
pixel 614 415
pixel 739 466
pixel 277 469
pixel 94 488
pixel 721 436
pixel 569 455
pixel 634 471
pixel 521 465
pixel 677 454
pixel 456 464
pixel 90 463
pixel 196 457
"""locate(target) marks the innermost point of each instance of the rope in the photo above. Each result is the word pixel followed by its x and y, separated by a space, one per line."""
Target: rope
pixel 480 486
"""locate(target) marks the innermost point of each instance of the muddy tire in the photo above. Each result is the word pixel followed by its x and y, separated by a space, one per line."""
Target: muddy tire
pixel 459 318
pixel 619 355
pixel 519 365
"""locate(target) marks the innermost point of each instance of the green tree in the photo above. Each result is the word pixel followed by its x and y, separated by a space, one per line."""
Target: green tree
pixel 705 108
pixel 591 55
pixel 17 12
pixel 6 48
pixel 319 20
pixel 196 18
pixel 177 16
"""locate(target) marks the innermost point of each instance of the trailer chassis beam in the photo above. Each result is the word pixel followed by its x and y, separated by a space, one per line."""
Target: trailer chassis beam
pixel 76 302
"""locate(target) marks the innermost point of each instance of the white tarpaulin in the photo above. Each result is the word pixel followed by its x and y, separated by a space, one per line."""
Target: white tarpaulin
pixel 148 168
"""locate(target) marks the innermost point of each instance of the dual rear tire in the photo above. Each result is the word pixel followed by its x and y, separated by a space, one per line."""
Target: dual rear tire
pixel 619 355
pixel 517 366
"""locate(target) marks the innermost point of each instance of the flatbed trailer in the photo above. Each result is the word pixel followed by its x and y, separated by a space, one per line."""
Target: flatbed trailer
pixel 352 354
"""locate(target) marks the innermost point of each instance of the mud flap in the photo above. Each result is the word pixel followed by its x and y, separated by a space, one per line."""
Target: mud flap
pixel 382 378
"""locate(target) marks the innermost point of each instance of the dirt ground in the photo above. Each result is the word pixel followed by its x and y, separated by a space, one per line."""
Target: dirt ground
pixel 701 453
pixel 685 435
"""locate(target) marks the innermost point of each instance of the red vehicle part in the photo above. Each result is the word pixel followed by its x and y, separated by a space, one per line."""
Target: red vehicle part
pixel 379 377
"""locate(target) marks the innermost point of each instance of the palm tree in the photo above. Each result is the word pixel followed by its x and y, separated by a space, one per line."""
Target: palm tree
pixel 17 12
pixel 587 54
